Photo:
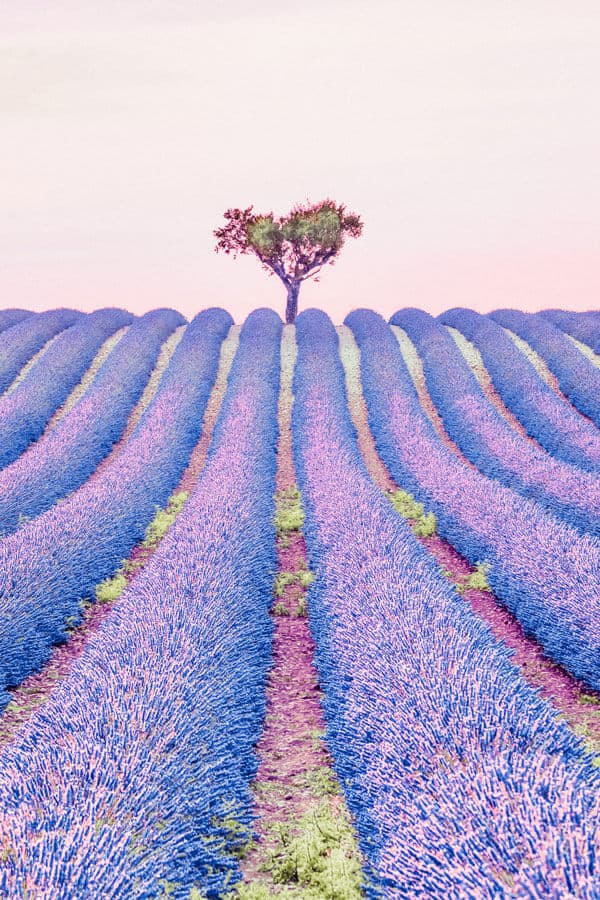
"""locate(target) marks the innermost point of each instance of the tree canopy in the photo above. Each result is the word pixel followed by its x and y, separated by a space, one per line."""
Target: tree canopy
pixel 293 247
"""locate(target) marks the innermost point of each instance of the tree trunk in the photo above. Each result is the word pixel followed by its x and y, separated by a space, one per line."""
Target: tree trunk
pixel 291 310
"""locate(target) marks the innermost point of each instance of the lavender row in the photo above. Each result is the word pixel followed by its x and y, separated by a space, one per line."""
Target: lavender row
pixel 545 572
pixel 64 458
pixel 145 753
pixel 27 337
pixel 487 439
pixel 577 377
pixel 461 780
pixel 548 418
pixel 54 561
pixel 584 327
pixel 10 317
pixel 25 412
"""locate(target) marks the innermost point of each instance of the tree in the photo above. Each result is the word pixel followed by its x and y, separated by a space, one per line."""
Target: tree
pixel 294 247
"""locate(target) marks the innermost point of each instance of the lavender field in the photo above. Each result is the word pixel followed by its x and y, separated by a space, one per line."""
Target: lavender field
pixel 304 610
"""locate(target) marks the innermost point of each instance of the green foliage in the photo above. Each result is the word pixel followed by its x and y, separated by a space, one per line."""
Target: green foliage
pixel 426 525
pixel 167 888
pixel 196 894
pixel 476 581
pixel 322 782
pixel 422 524
pixel 282 580
pixel 305 578
pixel 319 226
pixel 164 518
pixel 321 858
pixel 301 608
pixel 264 235
pixel 317 735
pixel 129 566
pixel 252 891
pixel 289 515
pixel 280 609
pixel 111 588
pixel 589 698
pixel 302 578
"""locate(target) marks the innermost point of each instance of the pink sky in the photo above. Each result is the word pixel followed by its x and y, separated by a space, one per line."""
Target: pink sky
pixel 465 134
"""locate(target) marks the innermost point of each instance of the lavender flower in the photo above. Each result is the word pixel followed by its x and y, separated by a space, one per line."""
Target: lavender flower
pixel 135 775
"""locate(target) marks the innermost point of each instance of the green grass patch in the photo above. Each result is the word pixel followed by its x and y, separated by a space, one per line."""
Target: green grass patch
pixel 289 515
pixel 111 589
pixel 476 581
pixel 164 518
pixel 422 524
pixel 319 857
pixel 280 609
pixel 302 608
pixel 322 782
pixel 302 579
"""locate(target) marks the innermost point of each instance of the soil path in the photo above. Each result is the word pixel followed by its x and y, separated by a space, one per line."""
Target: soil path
pixel 295 774
pixel 87 379
pixel 477 366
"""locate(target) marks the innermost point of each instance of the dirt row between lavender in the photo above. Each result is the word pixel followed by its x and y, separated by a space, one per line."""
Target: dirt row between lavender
pixel 576 703
pixel 305 842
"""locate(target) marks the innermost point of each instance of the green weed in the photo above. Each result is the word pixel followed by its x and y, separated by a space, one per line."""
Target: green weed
pixel 422 524
pixel 322 782
pixel 301 608
pixel 164 518
pixel 111 588
pixel 589 698
pixel 282 580
pixel 321 858
pixel 289 515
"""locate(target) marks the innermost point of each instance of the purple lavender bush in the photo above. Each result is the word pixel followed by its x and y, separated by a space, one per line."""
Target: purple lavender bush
pixel 487 439
pixel 461 780
pixel 53 562
pixel 545 572
pixel 62 460
pixel 548 418
pixel 145 753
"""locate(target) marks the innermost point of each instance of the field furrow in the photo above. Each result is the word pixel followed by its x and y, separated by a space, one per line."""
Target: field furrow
pixel 305 843
pixel 145 753
pixel 63 458
pixel 10 317
pixel 548 418
pixel 485 437
pixel 577 378
pixel 473 359
pixel 584 327
pixel 546 573
pixel 461 780
pixel 28 338
pixel 56 560
pixel 89 376
pixel 25 412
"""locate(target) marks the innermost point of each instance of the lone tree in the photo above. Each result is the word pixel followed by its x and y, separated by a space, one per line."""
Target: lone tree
pixel 294 247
